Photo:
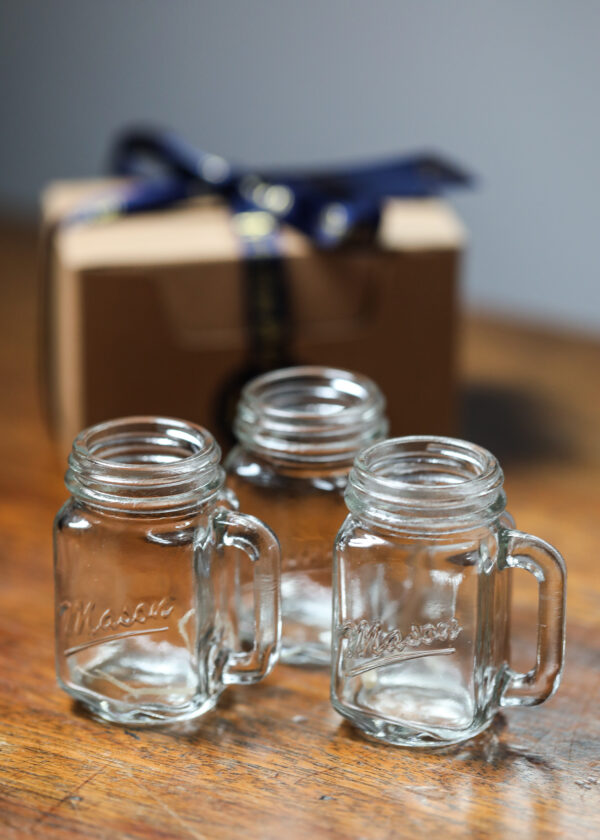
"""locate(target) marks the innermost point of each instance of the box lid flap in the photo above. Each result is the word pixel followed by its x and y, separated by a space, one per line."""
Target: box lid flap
pixel 200 231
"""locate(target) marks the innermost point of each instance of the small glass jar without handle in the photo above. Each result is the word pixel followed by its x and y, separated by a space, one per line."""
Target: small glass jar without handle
pixel 299 430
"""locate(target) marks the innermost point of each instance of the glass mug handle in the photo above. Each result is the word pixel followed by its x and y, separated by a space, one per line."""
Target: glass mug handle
pixel 524 551
pixel 261 546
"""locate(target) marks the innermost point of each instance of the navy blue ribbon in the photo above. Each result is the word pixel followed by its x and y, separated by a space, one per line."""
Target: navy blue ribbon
pixel 327 205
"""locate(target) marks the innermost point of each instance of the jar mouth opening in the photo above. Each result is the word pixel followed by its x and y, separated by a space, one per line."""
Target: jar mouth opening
pixel 150 444
pixel 310 412
pixel 422 477
pixel 310 393
pixel 144 461
pixel 428 464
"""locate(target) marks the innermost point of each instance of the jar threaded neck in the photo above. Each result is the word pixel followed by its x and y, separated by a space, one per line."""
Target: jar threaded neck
pixel 310 414
pixel 426 483
pixel 144 464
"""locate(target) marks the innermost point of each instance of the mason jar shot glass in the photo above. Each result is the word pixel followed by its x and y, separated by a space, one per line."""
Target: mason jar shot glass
pixel 145 573
pixel 421 621
pixel 299 429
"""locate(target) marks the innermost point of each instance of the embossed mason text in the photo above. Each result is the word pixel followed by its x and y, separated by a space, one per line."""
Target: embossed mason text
pixel 364 639
pixel 87 619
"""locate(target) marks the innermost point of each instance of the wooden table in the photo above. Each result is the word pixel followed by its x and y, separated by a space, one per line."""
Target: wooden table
pixel 274 760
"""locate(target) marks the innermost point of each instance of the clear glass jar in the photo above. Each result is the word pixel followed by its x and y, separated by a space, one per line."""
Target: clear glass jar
pixel 299 430
pixel 146 592
pixel 422 596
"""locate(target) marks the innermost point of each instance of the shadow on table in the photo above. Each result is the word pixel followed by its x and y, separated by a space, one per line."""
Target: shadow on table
pixel 492 747
pixel 514 424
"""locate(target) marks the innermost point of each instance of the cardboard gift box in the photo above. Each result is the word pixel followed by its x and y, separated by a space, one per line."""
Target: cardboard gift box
pixel 152 313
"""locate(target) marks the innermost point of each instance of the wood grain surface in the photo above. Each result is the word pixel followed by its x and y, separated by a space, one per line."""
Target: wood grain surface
pixel 275 760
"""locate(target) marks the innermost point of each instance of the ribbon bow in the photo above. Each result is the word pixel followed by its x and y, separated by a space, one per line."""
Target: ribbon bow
pixel 327 204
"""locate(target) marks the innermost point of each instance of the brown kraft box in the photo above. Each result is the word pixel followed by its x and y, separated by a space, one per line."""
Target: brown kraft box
pixel 148 314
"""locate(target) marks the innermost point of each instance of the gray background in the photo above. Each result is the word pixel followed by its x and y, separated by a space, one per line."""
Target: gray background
pixel 509 88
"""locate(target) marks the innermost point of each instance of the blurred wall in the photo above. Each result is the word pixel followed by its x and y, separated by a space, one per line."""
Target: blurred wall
pixel 509 88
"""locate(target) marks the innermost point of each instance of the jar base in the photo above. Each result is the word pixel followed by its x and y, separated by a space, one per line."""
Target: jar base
pixel 142 714
pixel 398 735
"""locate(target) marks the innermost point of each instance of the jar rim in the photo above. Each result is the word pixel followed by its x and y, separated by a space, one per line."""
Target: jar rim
pixel 145 461
pixel 420 480
pixel 124 431
pixel 310 413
